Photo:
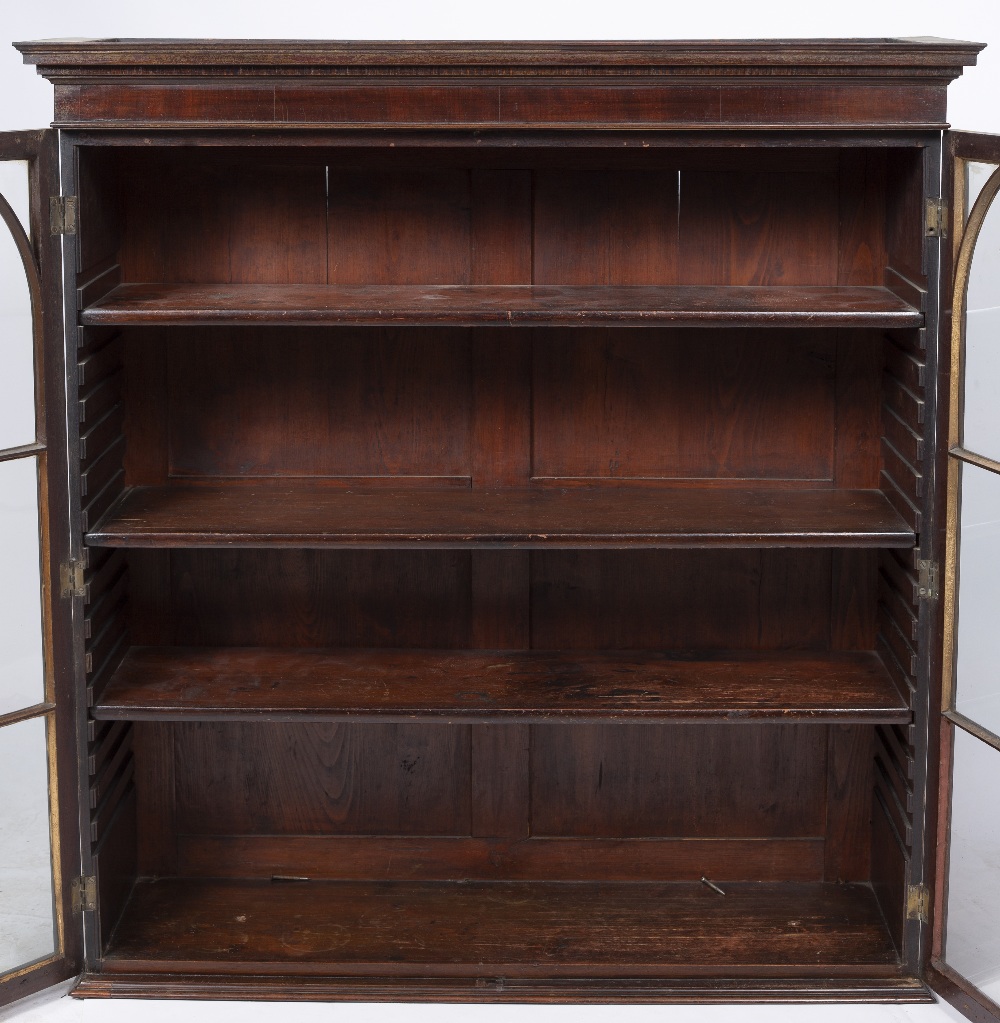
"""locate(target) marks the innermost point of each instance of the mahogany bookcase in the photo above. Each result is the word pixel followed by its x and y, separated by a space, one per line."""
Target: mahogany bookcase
pixel 504 539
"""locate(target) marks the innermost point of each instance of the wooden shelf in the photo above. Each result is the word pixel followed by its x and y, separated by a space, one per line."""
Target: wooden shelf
pixel 475 305
pixel 310 515
pixel 232 684
pixel 492 929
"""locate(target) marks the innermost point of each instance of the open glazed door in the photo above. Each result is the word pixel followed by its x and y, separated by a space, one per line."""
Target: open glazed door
pixel 40 938
pixel 965 958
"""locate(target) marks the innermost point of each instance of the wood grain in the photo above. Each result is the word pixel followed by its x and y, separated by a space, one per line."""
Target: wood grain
pixel 855 586
pixel 500 764
pixel 600 227
pixel 473 305
pixel 848 803
pixel 707 780
pixel 858 422
pixel 225 220
pixel 264 778
pixel 515 990
pixel 747 228
pixel 724 599
pixel 428 929
pixel 500 858
pixel 401 226
pixel 500 226
pixel 313 598
pixel 675 403
pixel 157 838
pixel 186 683
pixel 480 58
pixel 502 419
pixel 862 196
pixel 308 515
pixel 270 403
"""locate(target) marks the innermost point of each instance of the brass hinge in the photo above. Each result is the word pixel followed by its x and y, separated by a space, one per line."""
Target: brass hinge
pixel 84 894
pixel 71 583
pixel 918 903
pixel 928 586
pixel 936 218
pixel 62 214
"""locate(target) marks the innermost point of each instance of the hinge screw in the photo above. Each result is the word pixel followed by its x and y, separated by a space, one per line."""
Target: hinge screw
pixel 84 894
pixel 918 903
pixel 71 579
pixel 62 214
pixel 936 218
pixel 928 586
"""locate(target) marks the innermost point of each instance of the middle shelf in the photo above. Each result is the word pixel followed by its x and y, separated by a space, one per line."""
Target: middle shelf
pixel 627 516
pixel 251 683
pixel 509 304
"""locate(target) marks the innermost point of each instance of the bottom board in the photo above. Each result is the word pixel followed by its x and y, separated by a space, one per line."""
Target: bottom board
pixel 490 930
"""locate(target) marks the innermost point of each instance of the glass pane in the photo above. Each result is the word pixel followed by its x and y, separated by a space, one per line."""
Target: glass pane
pixel 977 673
pixel 973 916
pixel 981 427
pixel 17 382
pixel 27 922
pixel 976 175
pixel 22 676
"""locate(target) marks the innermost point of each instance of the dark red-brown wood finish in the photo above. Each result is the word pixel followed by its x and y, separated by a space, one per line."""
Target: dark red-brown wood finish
pixel 868 83
pixel 192 683
pixel 507 482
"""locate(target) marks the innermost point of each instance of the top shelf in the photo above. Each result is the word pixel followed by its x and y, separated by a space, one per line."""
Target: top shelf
pixel 485 305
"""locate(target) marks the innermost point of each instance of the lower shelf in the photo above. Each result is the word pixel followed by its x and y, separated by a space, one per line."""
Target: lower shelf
pixel 452 930
pixel 233 683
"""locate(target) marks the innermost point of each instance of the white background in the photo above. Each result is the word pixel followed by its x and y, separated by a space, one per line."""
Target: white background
pixel 26 102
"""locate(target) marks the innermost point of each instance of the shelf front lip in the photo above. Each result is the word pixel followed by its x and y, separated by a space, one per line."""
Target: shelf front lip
pixel 310 541
pixel 542 519
pixel 115 133
pixel 820 989
pixel 485 305
pixel 227 986
pixel 481 686
pixel 110 712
